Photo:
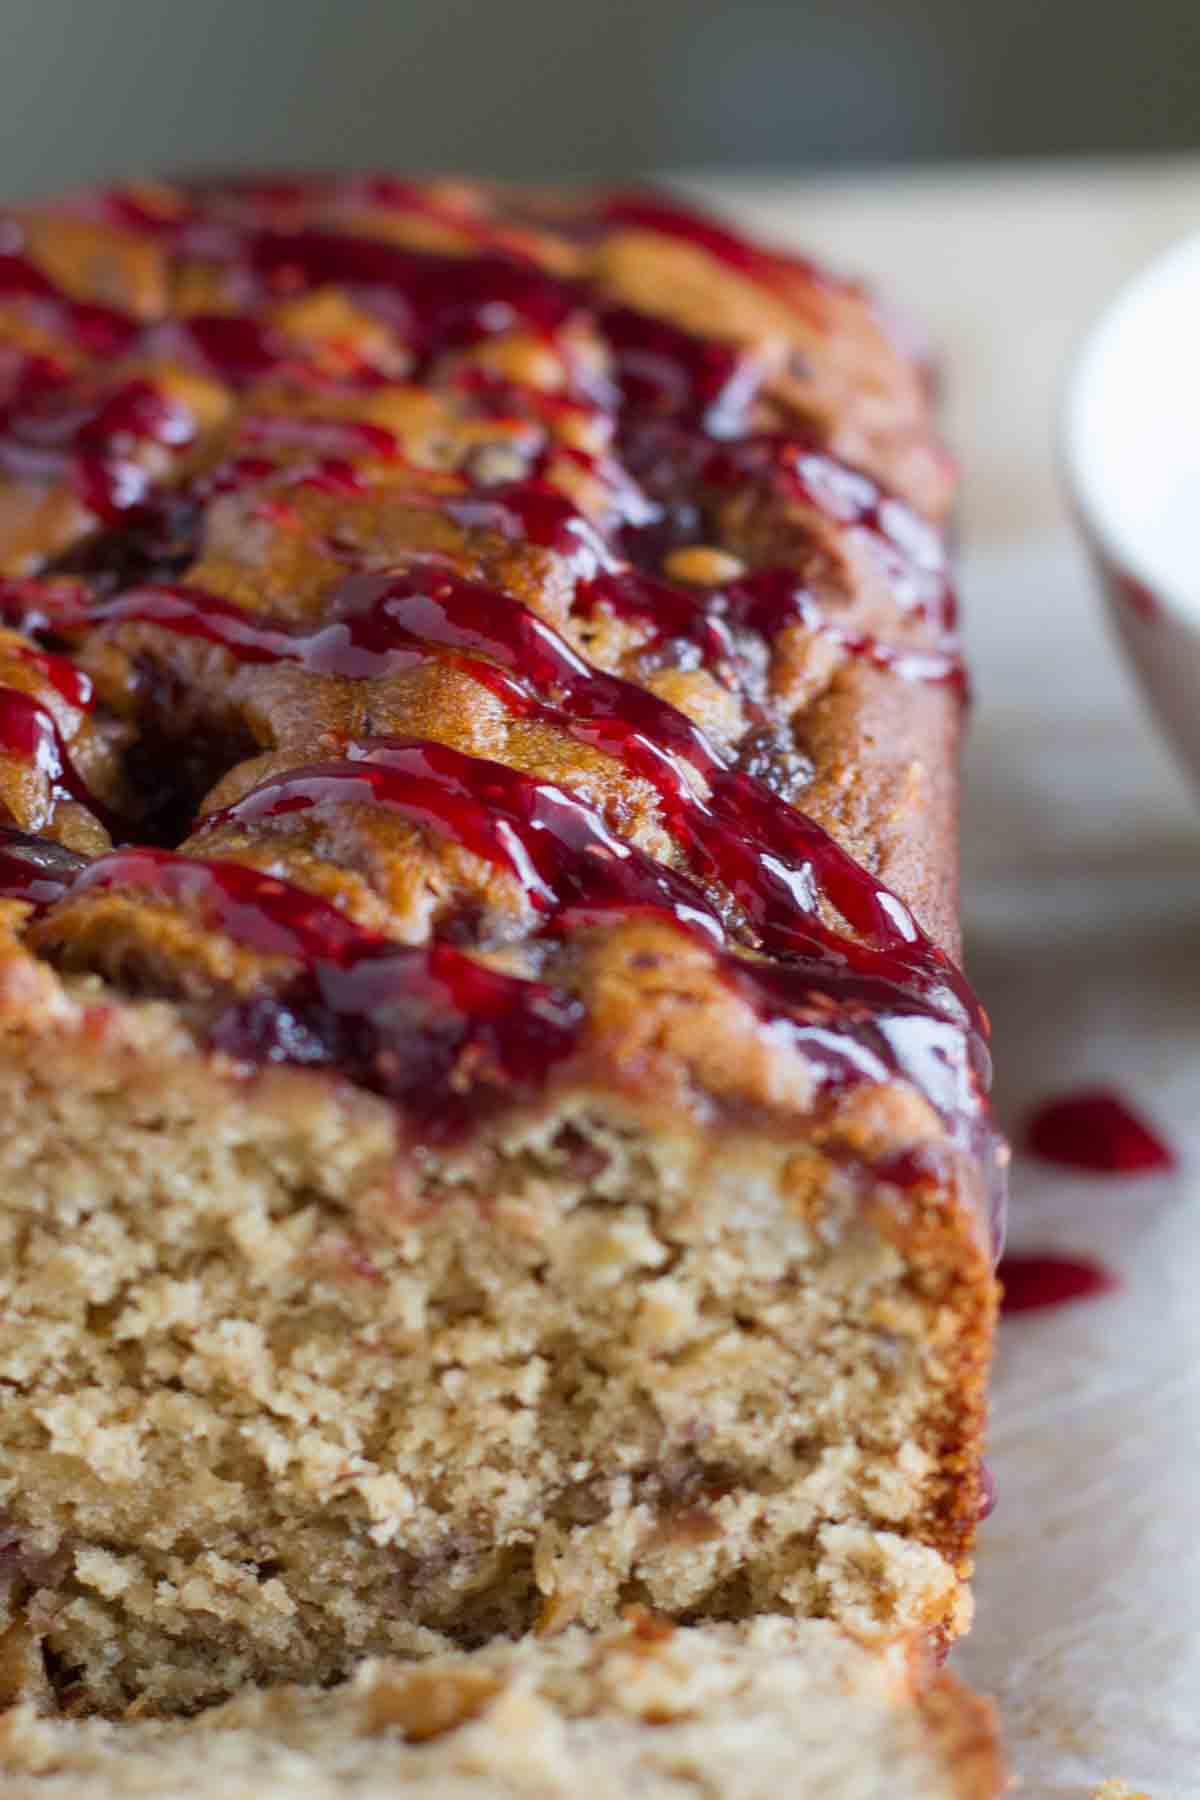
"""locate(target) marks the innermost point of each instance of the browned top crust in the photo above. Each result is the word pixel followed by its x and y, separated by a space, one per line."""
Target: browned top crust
pixel 454 594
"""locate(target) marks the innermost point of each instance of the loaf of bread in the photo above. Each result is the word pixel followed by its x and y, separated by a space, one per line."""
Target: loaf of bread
pixel 496 1133
pixel 744 1712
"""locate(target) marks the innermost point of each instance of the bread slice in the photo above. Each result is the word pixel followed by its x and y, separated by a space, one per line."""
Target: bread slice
pixel 737 1712
pixel 502 1138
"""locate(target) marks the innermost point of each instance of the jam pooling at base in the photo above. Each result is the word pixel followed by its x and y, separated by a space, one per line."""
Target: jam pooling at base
pixel 688 402
pixel 1097 1131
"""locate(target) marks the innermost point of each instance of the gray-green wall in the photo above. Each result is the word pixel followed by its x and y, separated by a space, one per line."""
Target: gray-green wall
pixel 580 87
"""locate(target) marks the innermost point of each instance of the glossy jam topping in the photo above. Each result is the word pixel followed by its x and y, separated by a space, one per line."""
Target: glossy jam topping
pixel 670 217
pixel 72 683
pixel 237 348
pixel 29 734
pixel 99 330
pixel 431 1029
pixel 574 872
pixel 533 512
pixel 94 443
pixel 364 1006
pixel 663 371
pixel 1036 1283
pixel 777 865
pixel 436 303
pixel 49 606
pixel 34 870
pixel 765 604
pixel 676 426
pixel 569 867
pixel 1096 1130
pixel 681 465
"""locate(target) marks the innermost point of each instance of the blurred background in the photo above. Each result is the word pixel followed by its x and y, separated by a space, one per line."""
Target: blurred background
pixel 552 88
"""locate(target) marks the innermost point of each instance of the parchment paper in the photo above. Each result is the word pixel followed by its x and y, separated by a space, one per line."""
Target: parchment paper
pixel 1082 874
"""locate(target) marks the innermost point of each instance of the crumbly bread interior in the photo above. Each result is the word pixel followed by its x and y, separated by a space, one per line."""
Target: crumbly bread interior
pixel 744 1712
pixel 270 1406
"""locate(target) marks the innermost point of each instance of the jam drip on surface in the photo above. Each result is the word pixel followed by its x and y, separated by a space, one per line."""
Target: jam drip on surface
pixel 1037 1283
pixel 1097 1131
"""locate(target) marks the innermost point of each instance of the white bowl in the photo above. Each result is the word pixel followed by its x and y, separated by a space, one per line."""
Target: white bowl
pixel 1130 444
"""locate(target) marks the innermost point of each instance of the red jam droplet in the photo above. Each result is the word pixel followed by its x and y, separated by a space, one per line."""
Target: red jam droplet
pixel 1036 1283
pixel 1097 1131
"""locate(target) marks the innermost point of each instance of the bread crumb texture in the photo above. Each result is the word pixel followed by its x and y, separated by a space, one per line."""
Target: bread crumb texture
pixel 738 1712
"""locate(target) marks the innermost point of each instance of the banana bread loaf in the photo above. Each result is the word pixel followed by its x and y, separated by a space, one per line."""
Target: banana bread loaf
pixel 746 1712
pixel 496 1129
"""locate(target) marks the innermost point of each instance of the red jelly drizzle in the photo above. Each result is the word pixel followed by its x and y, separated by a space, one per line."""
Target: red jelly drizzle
pixel 402 1021
pixel 1034 1283
pixel 662 370
pixel 776 862
pixel 231 345
pixel 437 302
pixel 555 845
pixel 54 604
pixel 324 437
pixel 765 603
pixel 573 870
pixel 64 677
pixel 534 512
pixel 90 440
pixel 29 733
pixel 661 213
pixel 96 329
pixel 430 1028
pixel 26 373
pixel 669 459
pixel 1095 1130
pixel 34 869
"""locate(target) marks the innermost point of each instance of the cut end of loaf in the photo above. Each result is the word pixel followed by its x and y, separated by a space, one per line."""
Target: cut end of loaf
pixel 281 1393
pixel 742 1711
